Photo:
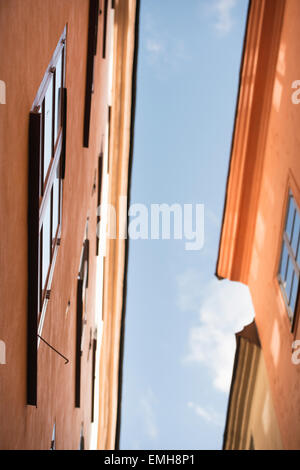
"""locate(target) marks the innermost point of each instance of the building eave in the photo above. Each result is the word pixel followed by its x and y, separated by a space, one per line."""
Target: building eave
pixel 132 127
pixel 115 268
pixel 254 102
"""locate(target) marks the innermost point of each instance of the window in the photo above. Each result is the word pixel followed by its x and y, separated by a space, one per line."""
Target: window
pixel 81 317
pixel 81 441
pixel 47 142
pixel 104 28
pixel 290 258
pixel 100 167
pixel 252 445
pixel 93 376
pixel 52 445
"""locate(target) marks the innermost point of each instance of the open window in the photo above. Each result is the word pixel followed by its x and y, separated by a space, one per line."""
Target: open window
pixel 47 145
pixel 100 168
pixel 289 268
pixel 81 315
pixel 81 440
pixel 94 346
pixel 104 41
pixel 53 440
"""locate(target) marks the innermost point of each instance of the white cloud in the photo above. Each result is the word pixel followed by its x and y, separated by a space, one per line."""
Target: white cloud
pixel 154 46
pixel 155 42
pixel 147 410
pixel 219 12
pixel 162 49
pixel 208 415
pixel 189 291
pixel 223 308
pixel 223 10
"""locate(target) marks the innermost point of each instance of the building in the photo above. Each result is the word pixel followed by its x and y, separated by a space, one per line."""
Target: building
pixel 251 420
pixel 67 79
pixel 259 243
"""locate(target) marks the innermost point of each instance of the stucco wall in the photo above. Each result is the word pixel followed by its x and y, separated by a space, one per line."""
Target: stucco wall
pixel 281 171
pixel 263 423
pixel 29 32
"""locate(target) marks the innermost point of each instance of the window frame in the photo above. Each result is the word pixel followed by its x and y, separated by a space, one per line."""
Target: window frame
pixel 291 257
pixel 94 352
pixel 81 315
pixel 98 209
pixel 81 440
pixel 41 194
pixel 53 439
pixel 105 27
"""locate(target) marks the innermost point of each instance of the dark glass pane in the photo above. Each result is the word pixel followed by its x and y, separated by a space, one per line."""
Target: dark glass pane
pixel 48 130
pixel 298 253
pixel 289 278
pixel 296 231
pixel 294 293
pixel 290 218
pixel 46 244
pixel 284 258
pixel 58 95
pixel 55 218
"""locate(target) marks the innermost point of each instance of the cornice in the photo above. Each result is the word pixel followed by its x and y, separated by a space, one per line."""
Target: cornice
pixel 115 263
pixel 257 75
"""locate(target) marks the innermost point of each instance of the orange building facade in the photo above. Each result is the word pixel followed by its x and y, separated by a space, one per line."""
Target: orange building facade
pixel 67 77
pixel 259 243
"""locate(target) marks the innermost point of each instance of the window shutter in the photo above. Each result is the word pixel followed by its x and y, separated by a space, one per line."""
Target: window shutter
pixel 34 180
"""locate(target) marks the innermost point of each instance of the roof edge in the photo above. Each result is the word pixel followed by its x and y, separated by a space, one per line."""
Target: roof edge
pixel 257 75
pixel 131 149
pixel 218 276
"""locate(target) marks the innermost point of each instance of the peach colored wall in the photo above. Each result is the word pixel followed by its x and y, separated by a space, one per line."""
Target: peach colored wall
pixel 263 423
pixel 124 50
pixel 281 170
pixel 29 32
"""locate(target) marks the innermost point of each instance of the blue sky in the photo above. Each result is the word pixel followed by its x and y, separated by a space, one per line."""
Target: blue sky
pixel 180 321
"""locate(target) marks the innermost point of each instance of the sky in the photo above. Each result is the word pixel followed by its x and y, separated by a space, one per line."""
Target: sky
pixel 180 320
